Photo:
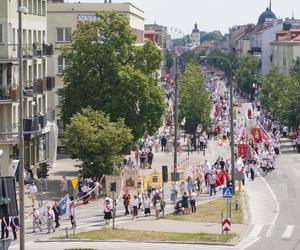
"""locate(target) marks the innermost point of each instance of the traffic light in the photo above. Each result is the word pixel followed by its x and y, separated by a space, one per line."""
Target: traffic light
pixel 39 173
pixel 165 173
pixel 44 168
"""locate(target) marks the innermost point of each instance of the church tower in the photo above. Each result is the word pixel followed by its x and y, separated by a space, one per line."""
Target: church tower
pixel 196 36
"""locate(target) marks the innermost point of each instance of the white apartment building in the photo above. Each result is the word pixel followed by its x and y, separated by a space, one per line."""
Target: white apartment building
pixel 38 146
pixel 261 40
pixel 62 21
pixel 286 49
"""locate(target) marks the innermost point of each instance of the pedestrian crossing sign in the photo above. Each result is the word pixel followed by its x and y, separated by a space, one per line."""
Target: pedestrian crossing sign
pixel 227 192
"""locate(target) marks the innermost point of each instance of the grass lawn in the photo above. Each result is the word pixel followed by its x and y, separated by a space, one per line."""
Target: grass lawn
pixel 211 212
pixel 135 235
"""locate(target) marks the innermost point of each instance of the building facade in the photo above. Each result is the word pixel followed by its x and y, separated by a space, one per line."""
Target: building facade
pixel 62 21
pixel 286 49
pixel 37 85
pixel 195 36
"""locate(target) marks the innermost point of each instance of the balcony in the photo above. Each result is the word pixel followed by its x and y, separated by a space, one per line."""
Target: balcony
pixel 37 87
pixel 34 125
pixel 9 133
pixel 8 94
pixel 37 50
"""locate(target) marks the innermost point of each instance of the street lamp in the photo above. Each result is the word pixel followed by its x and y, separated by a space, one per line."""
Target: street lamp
pixel 231 116
pixel 21 10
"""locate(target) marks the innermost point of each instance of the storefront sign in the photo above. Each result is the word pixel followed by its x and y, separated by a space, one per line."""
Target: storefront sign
pixel 87 18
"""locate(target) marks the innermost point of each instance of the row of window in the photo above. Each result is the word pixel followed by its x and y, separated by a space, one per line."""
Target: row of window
pixel 35 7
pixel 63 34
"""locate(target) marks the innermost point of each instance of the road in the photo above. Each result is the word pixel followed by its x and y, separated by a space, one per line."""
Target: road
pixel 284 182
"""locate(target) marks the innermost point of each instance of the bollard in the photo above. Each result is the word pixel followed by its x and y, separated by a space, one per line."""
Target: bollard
pixel 236 204
pixel 67 232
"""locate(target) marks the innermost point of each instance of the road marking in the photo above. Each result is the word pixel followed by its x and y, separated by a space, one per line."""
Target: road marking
pixel 288 231
pixel 272 226
pixel 256 230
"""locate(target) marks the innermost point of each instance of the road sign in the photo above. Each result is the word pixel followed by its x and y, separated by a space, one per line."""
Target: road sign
pixel 74 182
pixel 227 192
pixel 226 224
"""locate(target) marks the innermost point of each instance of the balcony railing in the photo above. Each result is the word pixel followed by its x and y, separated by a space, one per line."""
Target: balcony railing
pixel 8 93
pixel 37 87
pixel 37 50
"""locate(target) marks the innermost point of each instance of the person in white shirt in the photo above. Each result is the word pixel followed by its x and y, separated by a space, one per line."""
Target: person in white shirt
pixel 147 204
pixel 32 193
pixel 50 219
pixel 36 220
pixel 73 215
pixel 193 201
pixel 135 204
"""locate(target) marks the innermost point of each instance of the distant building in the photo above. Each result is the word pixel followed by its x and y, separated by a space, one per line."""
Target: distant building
pixel 158 34
pixel 285 49
pixel 196 36
pixel 40 144
pixel 63 19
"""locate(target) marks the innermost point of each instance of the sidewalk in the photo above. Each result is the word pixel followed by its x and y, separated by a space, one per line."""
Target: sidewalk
pixel 173 226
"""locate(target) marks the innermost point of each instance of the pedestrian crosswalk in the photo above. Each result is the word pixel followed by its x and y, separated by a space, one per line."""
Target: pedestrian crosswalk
pixel 262 231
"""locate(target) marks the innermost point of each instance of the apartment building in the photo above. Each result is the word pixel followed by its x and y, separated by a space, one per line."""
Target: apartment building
pixel 38 146
pixel 286 49
pixel 62 21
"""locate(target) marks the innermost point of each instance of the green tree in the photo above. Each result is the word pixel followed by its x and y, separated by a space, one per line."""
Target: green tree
pixel 99 143
pixel 211 36
pixel 169 61
pixel 280 94
pixel 216 58
pixel 194 100
pixel 247 73
pixel 108 72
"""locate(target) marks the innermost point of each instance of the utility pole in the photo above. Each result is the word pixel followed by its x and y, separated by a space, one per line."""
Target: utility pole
pixel 21 137
pixel 231 129
pixel 175 115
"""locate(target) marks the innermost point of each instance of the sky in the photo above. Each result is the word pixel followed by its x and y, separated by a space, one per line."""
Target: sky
pixel 180 15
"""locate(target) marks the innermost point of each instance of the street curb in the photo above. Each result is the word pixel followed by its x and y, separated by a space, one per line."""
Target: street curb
pixel 145 241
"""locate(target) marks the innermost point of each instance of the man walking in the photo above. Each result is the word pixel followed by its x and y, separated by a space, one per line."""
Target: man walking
pixel 14 223
pixel 57 213
pixel 36 220
pixel 50 219
pixel 126 200
pixel 4 227
pixel 212 183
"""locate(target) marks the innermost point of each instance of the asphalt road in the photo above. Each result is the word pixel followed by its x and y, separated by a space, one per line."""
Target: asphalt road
pixel 284 231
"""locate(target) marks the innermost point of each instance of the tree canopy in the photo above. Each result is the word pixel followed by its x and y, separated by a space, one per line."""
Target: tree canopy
pixel 109 73
pixel 280 94
pixel 194 100
pixel 92 138
pixel 247 73
pixel 211 36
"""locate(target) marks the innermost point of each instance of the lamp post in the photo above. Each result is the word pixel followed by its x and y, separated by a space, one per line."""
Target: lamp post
pixel 21 10
pixel 231 116
pixel 175 115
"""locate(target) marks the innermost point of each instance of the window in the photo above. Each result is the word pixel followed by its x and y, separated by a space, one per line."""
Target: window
pixel 284 61
pixel 39 7
pixel 34 7
pixel 62 64
pixel 63 34
pixel 1 33
pixel 29 6
pixel 43 8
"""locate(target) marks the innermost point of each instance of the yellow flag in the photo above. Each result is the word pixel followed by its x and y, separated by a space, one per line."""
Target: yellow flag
pixel 74 182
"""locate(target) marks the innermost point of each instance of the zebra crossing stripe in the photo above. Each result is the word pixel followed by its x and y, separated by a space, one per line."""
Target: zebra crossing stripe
pixel 288 231
pixel 256 230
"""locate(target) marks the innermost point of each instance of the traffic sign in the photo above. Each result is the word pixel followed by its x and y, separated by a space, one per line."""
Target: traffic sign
pixel 74 182
pixel 227 192
pixel 226 224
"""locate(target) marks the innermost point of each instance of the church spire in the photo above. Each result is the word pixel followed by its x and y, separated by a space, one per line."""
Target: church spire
pixel 270 5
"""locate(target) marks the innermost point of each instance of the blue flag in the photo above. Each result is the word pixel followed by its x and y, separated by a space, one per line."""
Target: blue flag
pixel 63 205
